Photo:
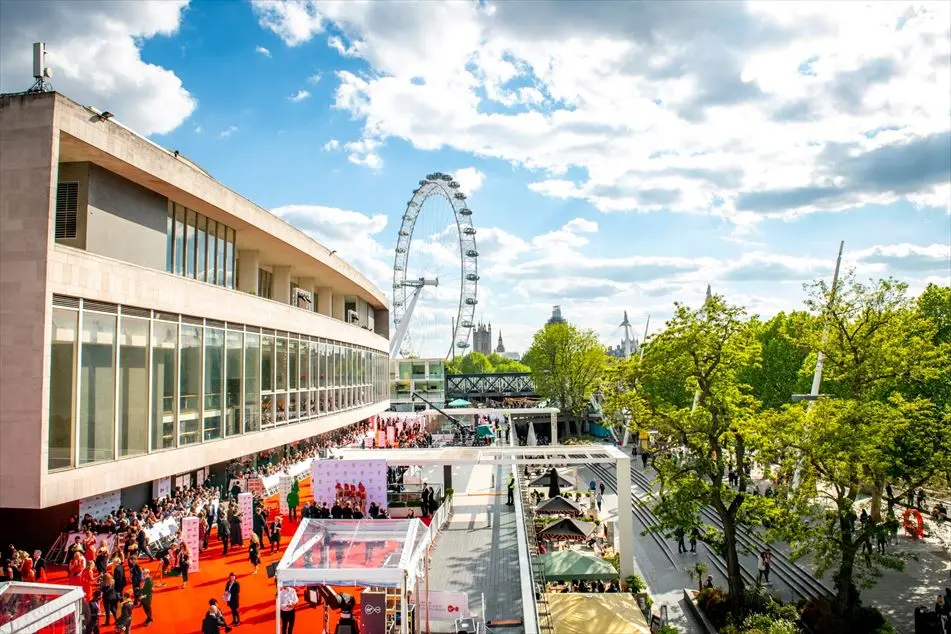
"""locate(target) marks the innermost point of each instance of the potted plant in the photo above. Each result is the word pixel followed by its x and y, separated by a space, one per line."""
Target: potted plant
pixel 635 583
pixel 449 493
pixel 697 572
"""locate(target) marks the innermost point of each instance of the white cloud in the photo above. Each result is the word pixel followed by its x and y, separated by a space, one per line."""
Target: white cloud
pixel 315 78
pixel 227 132
pixel 198 129
pixel 94 49
pixel 741 111
pixel 300 95
pixel 332 145
pixel 262 51
pixel 470 179
pixel 364 153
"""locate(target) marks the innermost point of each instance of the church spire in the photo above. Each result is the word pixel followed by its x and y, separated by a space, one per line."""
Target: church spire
pixel 501 347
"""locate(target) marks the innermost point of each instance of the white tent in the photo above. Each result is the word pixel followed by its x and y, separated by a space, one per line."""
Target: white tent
pixel 370 553
pixel 35 606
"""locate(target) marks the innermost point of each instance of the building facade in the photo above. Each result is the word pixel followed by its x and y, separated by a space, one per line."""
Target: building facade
pixel 556 317
pixel 482 339
pixel 425 377
pixel 500 349
pixel 155 322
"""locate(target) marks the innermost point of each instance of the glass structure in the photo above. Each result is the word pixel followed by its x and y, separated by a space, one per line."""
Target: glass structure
pixel 127 381
pixel 199 248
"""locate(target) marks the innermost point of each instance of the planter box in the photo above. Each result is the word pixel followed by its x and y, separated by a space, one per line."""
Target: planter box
pixel 690 597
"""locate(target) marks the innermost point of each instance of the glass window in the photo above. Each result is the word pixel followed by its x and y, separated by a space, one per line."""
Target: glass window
pixel 267 415
pixel 212 249
pixel 293 357
pixel 280 375
pixel 267 363
pixel 220 257
pixel 313 364
pixel 252 381
pixel 62 386
pixel 97 396
pixel 179 239
pixel 234 373
pixel 133 386
pixel 292 406
pixel 201 238
pixel 169 239
pixel 322 365
pixel 164 377
pixel 304 365
pixel 190 244
pixel 189 390
pixel 229 258
pixel 214 371
pixel 338 366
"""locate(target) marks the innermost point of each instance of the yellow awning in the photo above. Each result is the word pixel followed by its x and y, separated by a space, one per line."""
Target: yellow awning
pixel 609 613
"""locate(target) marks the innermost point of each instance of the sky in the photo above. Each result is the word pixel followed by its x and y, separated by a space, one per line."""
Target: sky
pixel 616 156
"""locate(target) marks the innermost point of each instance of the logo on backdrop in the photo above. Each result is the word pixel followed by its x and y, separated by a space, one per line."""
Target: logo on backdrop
pixel 372 609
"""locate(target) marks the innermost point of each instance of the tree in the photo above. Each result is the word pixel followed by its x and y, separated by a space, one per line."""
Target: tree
pixel 567 365
pixel 875 342
pixel 688 390
pixel 478 363
pixel 780 374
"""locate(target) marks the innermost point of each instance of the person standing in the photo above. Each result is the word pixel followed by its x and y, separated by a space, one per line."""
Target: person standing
pixel 224 533
pixel 184 558
pixel 511 491
pixel 254 553
pixel 681 547
pixel 110 599
pixel 233 597
pixel 293 500
pixel 92 622
pixel 124 620
pixel 145 597
pixel 275 534
pixel 694 536
pixel 118 574
pixel 89 580
pixel 424 501
pixel 213 620
pixel 288 601
pixel 763 565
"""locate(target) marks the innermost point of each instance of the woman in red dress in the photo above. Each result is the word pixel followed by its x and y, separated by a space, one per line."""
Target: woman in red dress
pixel 90 580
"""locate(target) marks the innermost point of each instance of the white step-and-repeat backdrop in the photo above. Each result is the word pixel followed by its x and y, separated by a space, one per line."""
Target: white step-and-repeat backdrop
pixel 359 481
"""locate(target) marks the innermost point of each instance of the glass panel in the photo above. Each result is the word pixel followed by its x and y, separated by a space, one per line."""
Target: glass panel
pixel 179 239
pixel 313 411
pixel 234 370
pixel 62 386
pixel 252 381
pixel 292 406
pixel 280 375
pixel 164 352
pixel 200 267
pixel 321 364
pixel 190 245
pixel 212 249
pixel 97 397
pixel 214 370
pixel 169 239
pixel 305 365
pixel 293 357
pixel 267 416
pixel 220 258
pixel 133 386
pixel 280 408
pixel 267 363
pixel 229 258
pixel 189 390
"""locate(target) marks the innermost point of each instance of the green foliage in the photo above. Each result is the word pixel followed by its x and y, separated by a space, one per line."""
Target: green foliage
pixel 668 629
pixel 478 363
pixel 614 560
pixel 635 583
pixel 567 365
pixel 780 373
pixel 715 605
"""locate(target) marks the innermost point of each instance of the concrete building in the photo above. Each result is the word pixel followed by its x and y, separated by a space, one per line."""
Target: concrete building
pixel 482 339
pixel 500 349
pixel 155 322
pixel 426 377
pixel 556 317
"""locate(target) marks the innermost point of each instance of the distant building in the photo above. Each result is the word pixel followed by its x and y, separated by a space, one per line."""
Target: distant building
pixel 425 377
pixel 556 317
pixel 618 351
pixel 500 349
pixel 514 356
pixel 482 339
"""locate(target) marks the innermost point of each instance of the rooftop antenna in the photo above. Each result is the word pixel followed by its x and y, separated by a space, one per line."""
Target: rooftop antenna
pixel 41 72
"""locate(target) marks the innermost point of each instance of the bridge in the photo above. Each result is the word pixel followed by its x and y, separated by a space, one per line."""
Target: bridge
pixel 479 387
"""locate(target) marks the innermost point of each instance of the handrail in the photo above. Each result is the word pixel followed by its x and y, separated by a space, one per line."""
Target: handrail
pixel 530 619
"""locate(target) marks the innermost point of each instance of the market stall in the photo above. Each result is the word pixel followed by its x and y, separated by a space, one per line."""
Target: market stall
pixel 40 607
pixel 384 556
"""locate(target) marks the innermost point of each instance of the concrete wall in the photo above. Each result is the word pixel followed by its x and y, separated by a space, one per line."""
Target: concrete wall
pixel 125 221
pixel 78 172
pixel 29 153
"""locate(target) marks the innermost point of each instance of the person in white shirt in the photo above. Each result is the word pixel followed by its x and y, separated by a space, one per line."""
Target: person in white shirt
pixel 287 600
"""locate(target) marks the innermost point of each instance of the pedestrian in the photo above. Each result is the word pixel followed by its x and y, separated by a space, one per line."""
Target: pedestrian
pixel 145 597
pixel 232 598
pixel 681 547
pixel 881 536
pixel 254 553
pixel 183 560
pixel 275 534
pixel 601 487
pixel 124 620
pixel 644 457
pixel 92 623
pixel 763 565
pixel 694 536
pixel 288 601
pixel 224 533
pixel 213 621
pixel 511 491
pixel 600 500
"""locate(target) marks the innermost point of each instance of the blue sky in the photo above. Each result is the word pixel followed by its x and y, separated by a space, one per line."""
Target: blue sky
pixel 618 156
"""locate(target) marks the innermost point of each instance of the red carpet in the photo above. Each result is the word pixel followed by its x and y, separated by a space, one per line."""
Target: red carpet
pixel 180 611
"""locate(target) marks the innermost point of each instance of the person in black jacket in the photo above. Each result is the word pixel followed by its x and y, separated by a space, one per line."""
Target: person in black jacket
pixel 233 597
pixel 213 621
pixel 118 573
pixel 224 533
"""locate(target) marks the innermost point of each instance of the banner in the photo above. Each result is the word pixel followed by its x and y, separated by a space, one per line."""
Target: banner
pixel 446 606
pixel 190 537
pixel 283 488
pixel 359 482
pixel 373 612
pixel 99 506
pixel 391 436
pixel 246 508
pixel 255 486
pixel 161 488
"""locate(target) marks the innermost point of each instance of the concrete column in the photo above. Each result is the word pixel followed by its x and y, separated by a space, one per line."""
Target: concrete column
pixel 249 262
pixel 324 300
pixel 446 477
pixel 625 518
pixel 337 304
pixel 307 284
pixel 554 429
pixel 281 284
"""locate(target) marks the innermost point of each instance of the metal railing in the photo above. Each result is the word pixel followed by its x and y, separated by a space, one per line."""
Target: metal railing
pixel 537 572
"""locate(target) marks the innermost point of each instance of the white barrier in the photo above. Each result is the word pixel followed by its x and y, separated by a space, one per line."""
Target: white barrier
pixel 283 488
pixel 165 528
pixel 191 539
pixel 246 508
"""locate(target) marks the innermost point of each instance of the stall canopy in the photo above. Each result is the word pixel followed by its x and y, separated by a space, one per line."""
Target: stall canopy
pixel 40 607
pixel 484 431
pixel 570 529
pixel 354 553
pixel 558 506
pixel 602 613
pixel 571 565
pixel 460 402
pixel 544 480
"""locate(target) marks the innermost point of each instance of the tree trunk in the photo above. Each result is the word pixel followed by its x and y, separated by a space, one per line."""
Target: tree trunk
pixel 846 594
pixel 875 504
pixel 735 583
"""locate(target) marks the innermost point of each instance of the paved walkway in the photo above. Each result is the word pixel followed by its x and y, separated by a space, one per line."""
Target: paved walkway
pixel 477 553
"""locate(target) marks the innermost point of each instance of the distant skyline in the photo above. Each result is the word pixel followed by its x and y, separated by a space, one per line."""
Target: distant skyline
pixel 617 156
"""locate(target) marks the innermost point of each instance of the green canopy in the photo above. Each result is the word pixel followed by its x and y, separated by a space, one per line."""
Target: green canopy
pixel 484 431
pixel 460 402
pixel 571 565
